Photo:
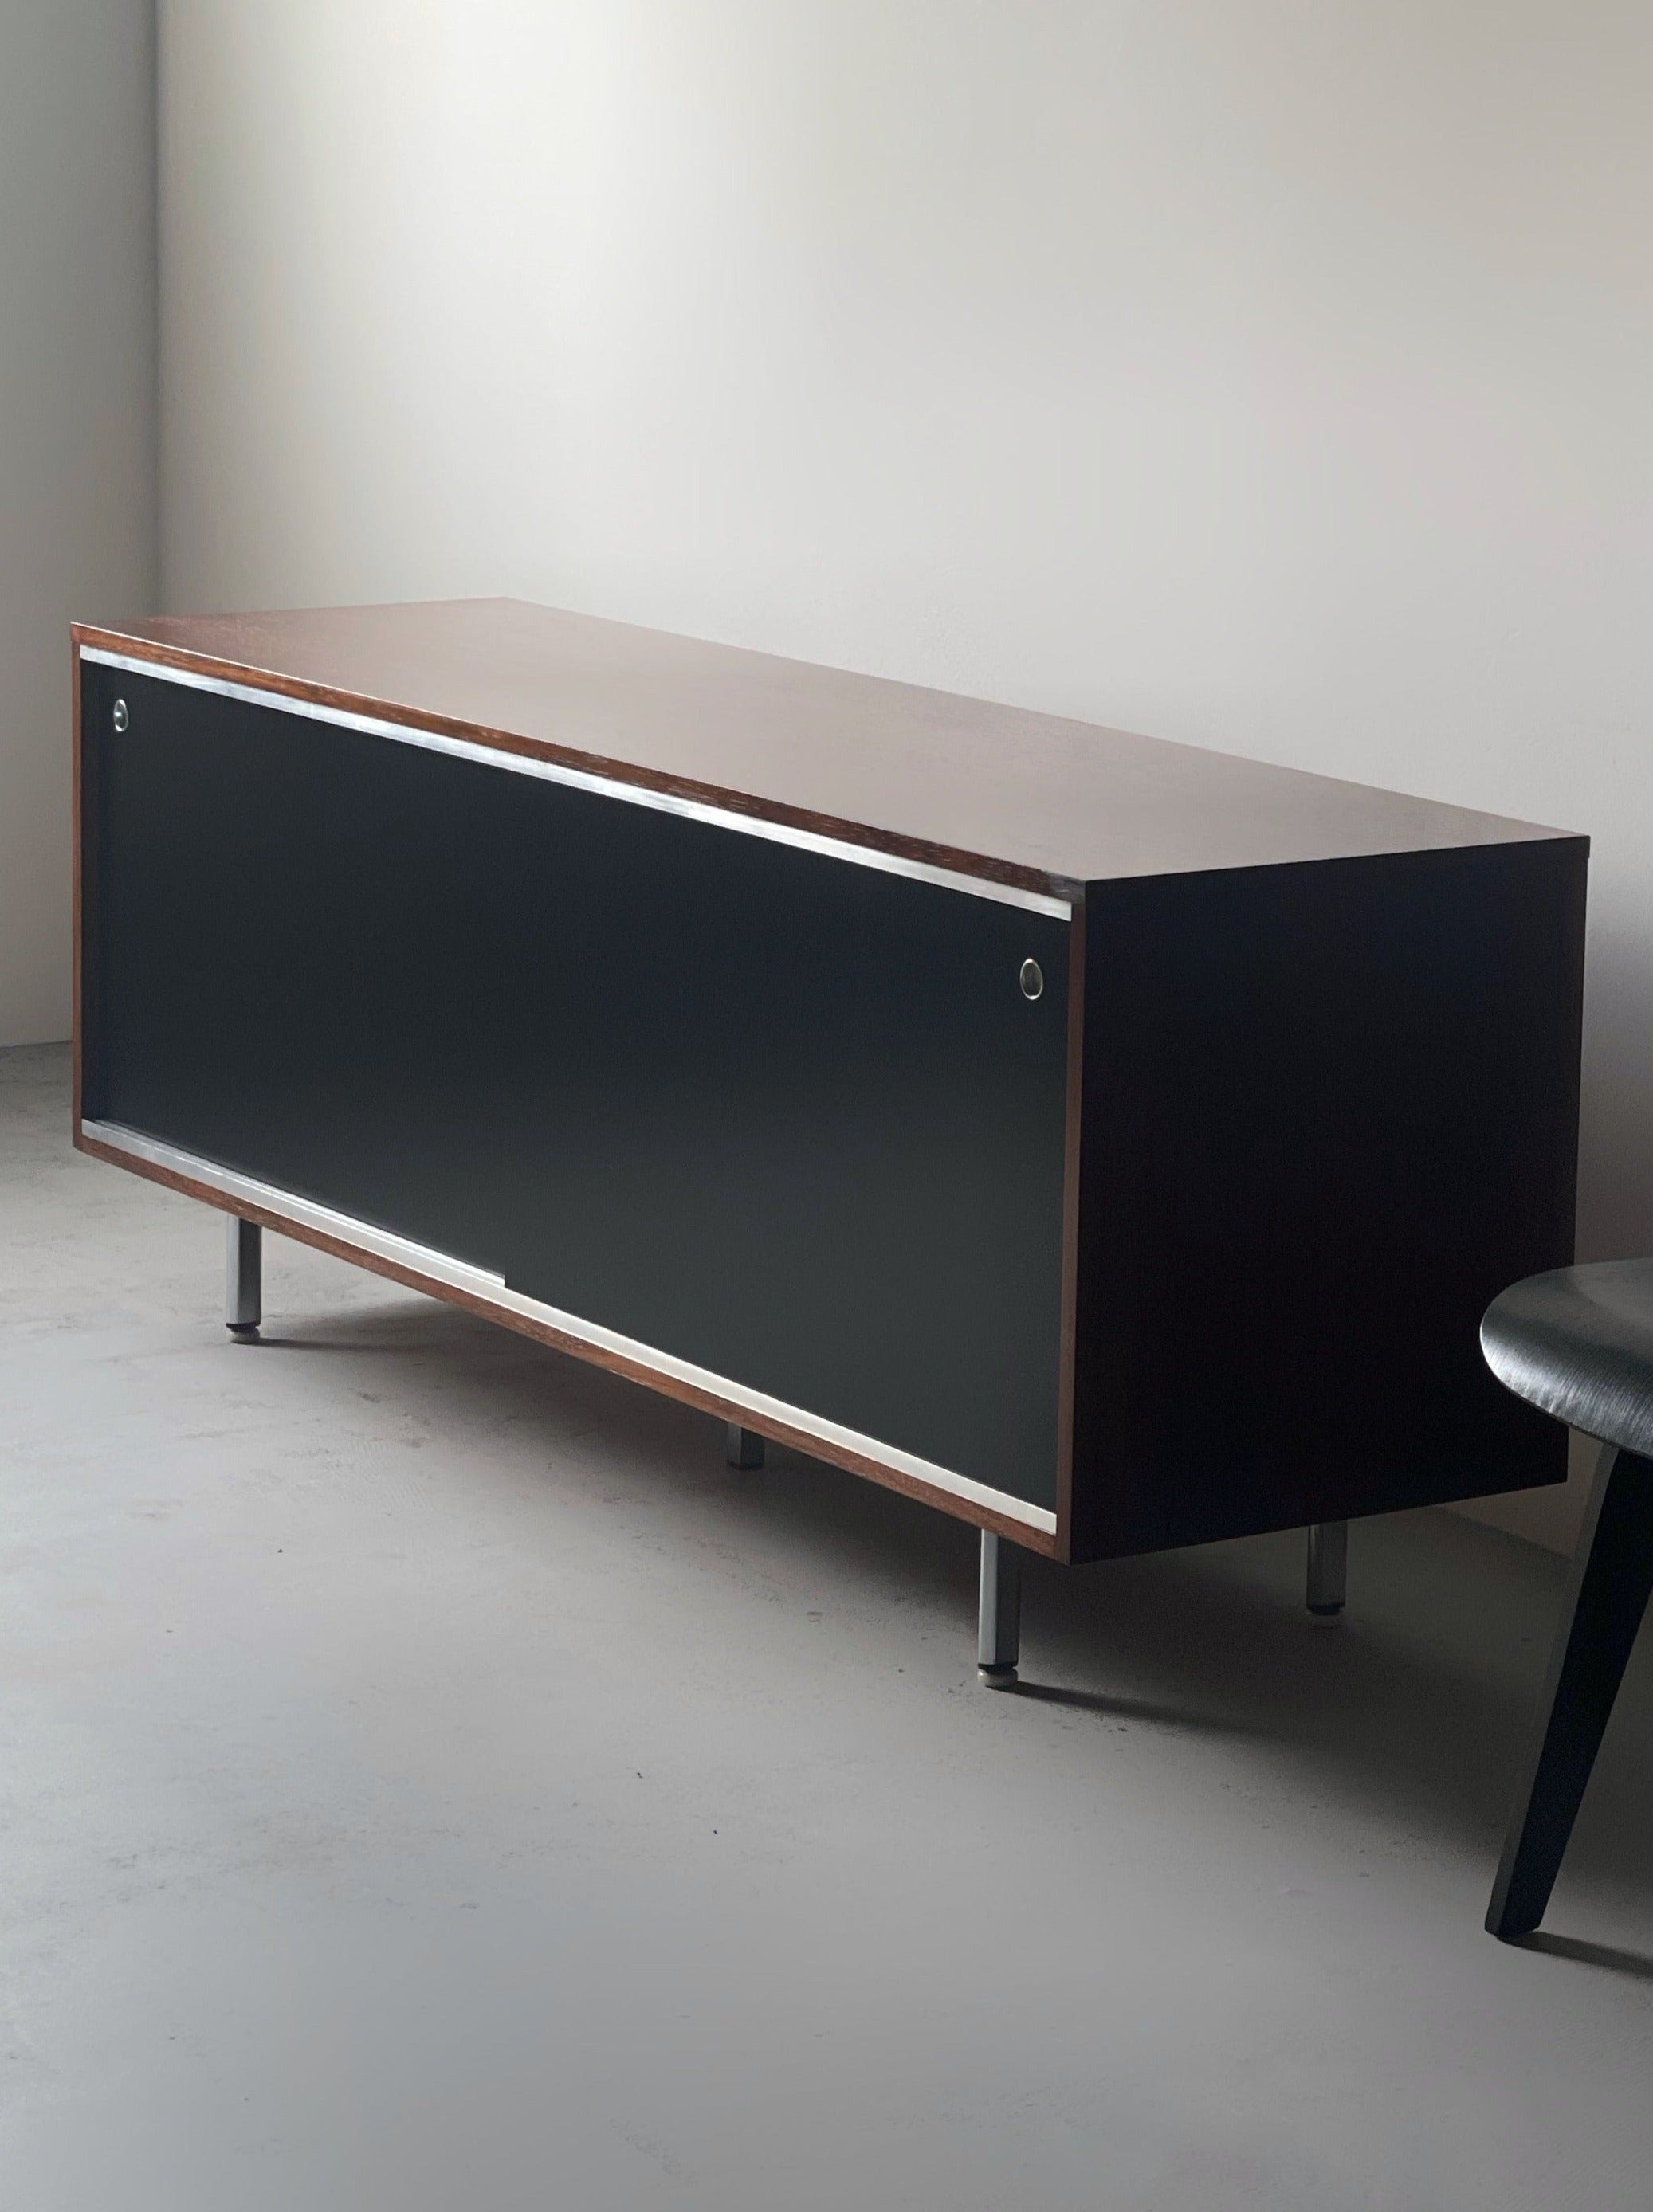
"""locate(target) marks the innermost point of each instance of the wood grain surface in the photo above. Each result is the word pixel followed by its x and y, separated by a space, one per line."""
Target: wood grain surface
pixel 1022 798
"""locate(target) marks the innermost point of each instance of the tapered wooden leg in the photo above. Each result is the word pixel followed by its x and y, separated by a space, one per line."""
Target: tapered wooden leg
pixel 1606 1595
pixel 243 1277
pixel 743 1447
pixel 1328 1566
pixel 999 1623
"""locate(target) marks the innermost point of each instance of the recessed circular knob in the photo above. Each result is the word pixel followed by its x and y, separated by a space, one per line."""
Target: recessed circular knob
pixel 1032 980
pixel 120 714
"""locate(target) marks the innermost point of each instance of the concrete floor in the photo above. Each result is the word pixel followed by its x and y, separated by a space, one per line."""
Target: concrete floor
pixel 433 1780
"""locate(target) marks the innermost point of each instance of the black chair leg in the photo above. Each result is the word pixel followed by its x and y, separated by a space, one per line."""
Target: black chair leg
pixel 1606 1595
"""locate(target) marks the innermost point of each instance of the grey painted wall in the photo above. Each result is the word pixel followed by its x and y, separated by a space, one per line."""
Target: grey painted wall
pixel 1273 377
pixel 78 430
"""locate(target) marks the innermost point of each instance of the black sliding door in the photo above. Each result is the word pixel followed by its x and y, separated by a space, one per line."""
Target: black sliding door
pixel 786 1116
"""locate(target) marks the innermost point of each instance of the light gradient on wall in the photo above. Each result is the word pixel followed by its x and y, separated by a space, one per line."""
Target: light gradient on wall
pixel 1274 377
pixel 77 427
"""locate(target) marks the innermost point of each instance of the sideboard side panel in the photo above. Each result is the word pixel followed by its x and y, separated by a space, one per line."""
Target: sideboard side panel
pixel 1330 1110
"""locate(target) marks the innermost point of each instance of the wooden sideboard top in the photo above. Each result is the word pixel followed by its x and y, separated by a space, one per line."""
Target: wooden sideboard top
pixel 1029 799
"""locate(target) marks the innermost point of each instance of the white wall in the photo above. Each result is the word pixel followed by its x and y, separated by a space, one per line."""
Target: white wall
pixel 1277 376
pixel 77 428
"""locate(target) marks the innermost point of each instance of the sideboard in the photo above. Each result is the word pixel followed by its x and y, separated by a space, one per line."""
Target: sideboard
pixel 1112 1143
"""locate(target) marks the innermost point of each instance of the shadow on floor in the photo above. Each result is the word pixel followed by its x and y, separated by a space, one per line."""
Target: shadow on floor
pixel 1414 1705
pixel 1606 1956
pixel 1203 1723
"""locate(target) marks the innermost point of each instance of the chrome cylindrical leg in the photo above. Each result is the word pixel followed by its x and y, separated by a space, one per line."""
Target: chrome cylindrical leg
pixel 998 1627
pixel 1328 1566
pixel 244 1277
pixel 743 1447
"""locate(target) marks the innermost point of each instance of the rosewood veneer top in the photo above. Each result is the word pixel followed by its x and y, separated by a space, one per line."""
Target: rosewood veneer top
pixel 1029 799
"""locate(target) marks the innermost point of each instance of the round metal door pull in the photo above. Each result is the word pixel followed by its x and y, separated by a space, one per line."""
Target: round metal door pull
pixel 1032 980
pixel 119 717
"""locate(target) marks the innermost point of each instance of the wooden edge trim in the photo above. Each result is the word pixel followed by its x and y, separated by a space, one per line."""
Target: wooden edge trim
pixel 78 742
pixel 1072 1151
pixel 919 849
pixel 670 1386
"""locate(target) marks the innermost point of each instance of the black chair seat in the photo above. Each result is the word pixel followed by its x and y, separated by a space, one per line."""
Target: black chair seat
pixel 1579 1343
